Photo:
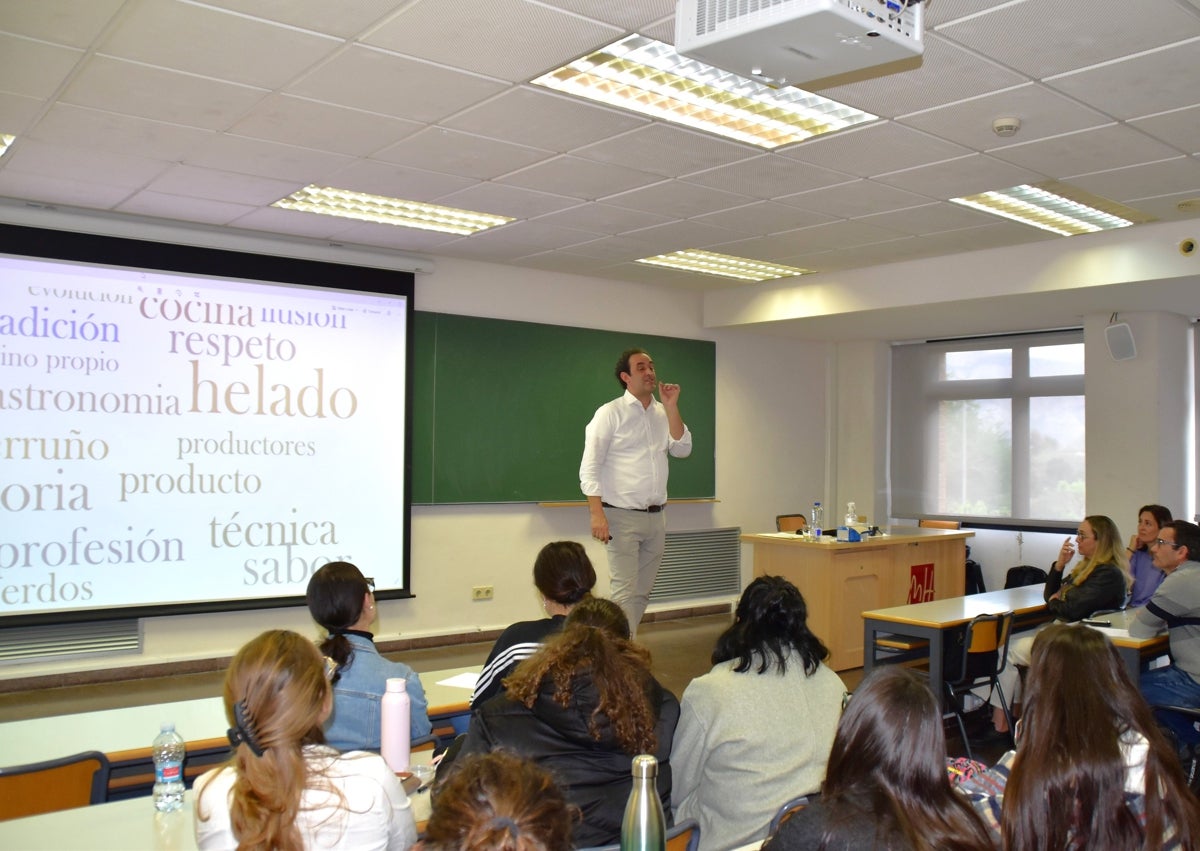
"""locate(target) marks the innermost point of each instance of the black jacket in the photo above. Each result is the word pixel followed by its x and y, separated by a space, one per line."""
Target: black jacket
pixel 1103 589
pixel 594 775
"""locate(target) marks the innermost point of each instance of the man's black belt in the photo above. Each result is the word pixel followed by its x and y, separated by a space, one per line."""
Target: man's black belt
pixel 652 509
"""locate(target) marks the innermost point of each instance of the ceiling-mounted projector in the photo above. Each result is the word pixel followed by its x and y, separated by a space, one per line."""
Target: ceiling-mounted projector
pixel 782 42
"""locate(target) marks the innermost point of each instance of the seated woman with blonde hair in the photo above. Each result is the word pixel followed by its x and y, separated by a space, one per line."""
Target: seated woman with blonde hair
pixel 285 789
pixel 583 707
pixel 498 802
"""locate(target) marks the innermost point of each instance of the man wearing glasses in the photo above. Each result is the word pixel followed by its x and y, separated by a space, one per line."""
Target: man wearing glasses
pixel 1175 606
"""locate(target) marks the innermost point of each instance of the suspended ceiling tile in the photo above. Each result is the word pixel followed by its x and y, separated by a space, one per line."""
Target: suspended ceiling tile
pixel 768 176
pixel 323 126
pixel 510 40
pixel 873 149
pixel 380 178
pixel 763 217
pixel 668 151
pixel 216 44
pixel 928 219
pixel 1144 181
pixel 856 198
pixel 678 199
pixel 1139 85
pixel 339 19
pixel 268 159
pixel 508 200
pixel 124 134
pixel 439 149
pixel 1099 149
pixel 215 185
pixel 163 206
pixel 49 189
pixel 68 22
pixel 129 88
pixel 377 81
pixel 1042 111
pixel 606 219
pixel 1180 128
pixel 1043 39
pixel 963 176
pixel 579 178
pixel 627 14
pixel 34 69
pixel 528 115
pixel 81 162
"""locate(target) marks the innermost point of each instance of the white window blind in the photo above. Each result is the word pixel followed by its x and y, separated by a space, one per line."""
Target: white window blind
pixel 989 428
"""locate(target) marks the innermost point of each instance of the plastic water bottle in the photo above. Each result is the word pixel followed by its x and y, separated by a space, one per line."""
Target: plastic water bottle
pixel 644 827
pixel 818 520
pixel 395 736
pixel 168 750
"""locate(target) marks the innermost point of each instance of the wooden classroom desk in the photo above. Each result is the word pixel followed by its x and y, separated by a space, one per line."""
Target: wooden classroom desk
pixel 124 735
pixel 840 580
pixel 931 621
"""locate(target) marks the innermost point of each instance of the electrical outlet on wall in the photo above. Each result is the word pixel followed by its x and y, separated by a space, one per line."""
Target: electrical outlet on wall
pixel 482 592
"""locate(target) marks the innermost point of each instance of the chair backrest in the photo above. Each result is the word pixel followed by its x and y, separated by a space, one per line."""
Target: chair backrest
pixel 785 812
pixel 985 648
pixel 1024 574
pixel 57 784
pixel 684 836
pixel 930 523
pixel 790 522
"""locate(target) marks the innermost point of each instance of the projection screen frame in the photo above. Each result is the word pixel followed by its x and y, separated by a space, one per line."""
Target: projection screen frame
pixel 35 243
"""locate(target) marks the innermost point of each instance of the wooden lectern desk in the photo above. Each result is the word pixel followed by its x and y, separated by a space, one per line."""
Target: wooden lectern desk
pixel 840 581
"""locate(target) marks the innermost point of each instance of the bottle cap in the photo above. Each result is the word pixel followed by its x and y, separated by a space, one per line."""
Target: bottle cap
pixel 397 684
pixel 645 765
pixel 167 727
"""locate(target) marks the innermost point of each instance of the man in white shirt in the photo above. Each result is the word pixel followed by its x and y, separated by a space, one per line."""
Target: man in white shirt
pixel 624 477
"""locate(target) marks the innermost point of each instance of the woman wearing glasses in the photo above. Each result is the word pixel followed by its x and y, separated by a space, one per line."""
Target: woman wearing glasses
pixel 284 788
pixel 342 601
pixel 1099 581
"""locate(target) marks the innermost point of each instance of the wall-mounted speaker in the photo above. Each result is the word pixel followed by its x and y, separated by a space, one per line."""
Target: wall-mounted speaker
pixel 1120 341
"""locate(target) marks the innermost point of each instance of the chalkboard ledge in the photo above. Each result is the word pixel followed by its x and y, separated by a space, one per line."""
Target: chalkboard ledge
pixel 582 503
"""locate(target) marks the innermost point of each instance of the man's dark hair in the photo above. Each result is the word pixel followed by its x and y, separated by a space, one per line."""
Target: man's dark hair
pixel 623 363
pixel 1186 535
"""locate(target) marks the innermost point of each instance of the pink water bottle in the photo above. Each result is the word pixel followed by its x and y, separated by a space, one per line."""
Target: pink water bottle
pixel 394 734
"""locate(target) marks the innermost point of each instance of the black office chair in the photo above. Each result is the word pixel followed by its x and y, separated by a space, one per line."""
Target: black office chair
pixel 56 784
pixel 1189 755
pixel 978 661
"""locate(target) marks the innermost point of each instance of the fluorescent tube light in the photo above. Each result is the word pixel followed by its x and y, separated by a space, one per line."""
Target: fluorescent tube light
pixel 1052 211
pixel 648 76
pixel 725 265
pixel 388 211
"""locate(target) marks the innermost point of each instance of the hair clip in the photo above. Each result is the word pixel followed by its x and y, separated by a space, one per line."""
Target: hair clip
pixel 243 731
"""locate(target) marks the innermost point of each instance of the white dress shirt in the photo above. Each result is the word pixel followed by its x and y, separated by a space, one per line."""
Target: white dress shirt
pixel 625 452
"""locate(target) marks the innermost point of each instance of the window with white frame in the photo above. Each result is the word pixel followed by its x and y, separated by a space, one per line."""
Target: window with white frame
pixel 990 428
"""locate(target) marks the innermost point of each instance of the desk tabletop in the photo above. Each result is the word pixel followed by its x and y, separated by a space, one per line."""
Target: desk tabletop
pixel 134 727
pixel 958 610
pixel 954 611
pixel 892 536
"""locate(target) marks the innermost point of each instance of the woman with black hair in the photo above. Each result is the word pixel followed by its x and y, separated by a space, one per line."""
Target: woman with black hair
pixel 342 601
pixel 755 731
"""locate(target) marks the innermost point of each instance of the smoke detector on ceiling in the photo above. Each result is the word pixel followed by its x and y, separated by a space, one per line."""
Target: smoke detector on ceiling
pixel 1005 127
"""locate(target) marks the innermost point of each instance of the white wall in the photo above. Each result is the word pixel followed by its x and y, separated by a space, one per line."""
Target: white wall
pixel 770 459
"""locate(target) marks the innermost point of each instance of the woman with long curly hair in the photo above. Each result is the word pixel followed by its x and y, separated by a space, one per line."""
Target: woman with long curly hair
pixel 498 802
pixel 583 707
pixel 886 785
pixel 1091 769
pixel 285 789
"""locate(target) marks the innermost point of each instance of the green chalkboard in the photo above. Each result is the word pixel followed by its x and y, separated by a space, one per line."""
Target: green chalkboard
pixel 499 407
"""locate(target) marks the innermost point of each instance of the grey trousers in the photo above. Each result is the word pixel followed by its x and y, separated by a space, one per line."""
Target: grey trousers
pixel 635 552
